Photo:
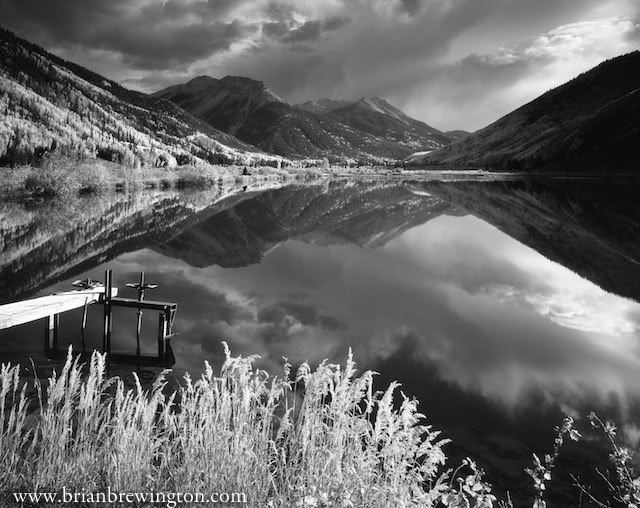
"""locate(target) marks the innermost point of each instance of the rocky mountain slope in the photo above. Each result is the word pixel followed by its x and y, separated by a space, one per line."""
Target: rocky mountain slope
pixel 322 105
pixel 291 132
pixel 368 129
pixel 222 103
pixel 47 102
pixel 590 123
pixel 457 134
pixel 377 117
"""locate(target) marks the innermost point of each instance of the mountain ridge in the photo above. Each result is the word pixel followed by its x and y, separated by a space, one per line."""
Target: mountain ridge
pixel 369 128
pixel 592 122
pixel 378 117
pixel 48 103
pixel 224 103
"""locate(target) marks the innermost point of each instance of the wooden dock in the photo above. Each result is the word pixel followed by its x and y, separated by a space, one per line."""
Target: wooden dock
pixel 26 311
pixel 50 307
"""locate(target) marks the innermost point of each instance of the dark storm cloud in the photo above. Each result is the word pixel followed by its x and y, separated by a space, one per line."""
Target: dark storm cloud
pixel 369 55
pixel 634 34
pixel 275 29
pixel 279 10
pixel 411 7
pixel 305 314
pixel 309 31
pixel 334 23
pixel 146 36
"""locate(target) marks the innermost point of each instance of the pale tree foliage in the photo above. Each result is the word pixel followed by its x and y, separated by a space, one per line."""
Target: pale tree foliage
pixel 45 106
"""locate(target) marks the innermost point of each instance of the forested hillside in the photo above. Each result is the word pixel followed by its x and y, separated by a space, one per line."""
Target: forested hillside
pixel 49 104
pixel 591 123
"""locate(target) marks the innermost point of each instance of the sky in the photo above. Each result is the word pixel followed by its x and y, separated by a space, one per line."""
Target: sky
pixel 455 64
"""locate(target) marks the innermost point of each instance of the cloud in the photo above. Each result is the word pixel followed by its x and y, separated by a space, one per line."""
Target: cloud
pixel 412 7
pixel 452 64
pixel 309 31
pixel 305 314
pixel 146 35
pixel 489 85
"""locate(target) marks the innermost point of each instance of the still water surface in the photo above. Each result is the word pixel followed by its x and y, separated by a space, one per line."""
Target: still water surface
pixel 501 306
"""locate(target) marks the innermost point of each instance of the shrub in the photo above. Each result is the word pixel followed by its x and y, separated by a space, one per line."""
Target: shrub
pixel 60 176
pixel 194 178
pixel 91 180
pixel 50 181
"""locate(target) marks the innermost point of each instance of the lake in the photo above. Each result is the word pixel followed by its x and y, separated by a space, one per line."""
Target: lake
pixel 501 305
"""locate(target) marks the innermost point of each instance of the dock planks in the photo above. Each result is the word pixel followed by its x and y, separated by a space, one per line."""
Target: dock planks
pixel 18 313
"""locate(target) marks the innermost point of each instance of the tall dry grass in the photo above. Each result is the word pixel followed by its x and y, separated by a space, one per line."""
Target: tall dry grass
pixel 324 439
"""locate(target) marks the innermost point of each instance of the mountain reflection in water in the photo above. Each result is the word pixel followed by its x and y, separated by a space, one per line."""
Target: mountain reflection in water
pixel 499 305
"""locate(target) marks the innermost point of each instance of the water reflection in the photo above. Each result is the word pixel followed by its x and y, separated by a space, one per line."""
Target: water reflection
pixel 499 305
pixel 491 315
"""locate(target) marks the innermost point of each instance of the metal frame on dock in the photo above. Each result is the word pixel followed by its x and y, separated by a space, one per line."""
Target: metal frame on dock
pixel 50 307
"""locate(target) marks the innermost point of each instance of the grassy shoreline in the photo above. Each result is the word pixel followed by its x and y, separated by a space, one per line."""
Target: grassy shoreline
pixel 61 176
pixel 64 176
pixel 314 438
pixel 322 439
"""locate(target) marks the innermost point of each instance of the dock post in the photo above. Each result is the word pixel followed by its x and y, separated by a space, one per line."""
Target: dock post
pixel 108 292
pixel 84 324
pixel 162 333
pixel 52 323
pixel 139 314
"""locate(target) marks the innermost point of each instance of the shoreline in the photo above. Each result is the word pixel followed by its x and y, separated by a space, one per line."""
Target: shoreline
pixel 105 176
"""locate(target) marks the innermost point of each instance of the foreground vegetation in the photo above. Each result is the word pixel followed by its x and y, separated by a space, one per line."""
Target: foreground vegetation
pixel 324 438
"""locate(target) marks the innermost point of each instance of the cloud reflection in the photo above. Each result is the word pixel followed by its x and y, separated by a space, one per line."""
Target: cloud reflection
pixel 483 311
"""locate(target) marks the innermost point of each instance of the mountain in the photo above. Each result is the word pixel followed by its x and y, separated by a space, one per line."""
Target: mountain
pixel 222 103
pixel 47 102
pixel 590 123
pixel 368 129
pixel 377 117
pixel 455 135
pixel 291 132
pixel 322 105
